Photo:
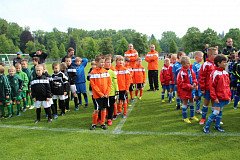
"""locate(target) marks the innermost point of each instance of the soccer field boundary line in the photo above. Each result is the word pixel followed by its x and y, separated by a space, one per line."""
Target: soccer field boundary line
pixel 118 128
pixel 145 133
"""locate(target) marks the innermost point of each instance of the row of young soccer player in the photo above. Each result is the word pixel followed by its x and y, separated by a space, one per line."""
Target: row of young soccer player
pixel 209 80
pixel 47 91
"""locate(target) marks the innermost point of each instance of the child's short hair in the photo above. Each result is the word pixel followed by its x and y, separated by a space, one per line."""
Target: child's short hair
pixel 55 64
pixel 68 57
pixel 126 59
pixel 139 58
pixel 174 56
pixel 99 57
pixel 36 59
pixel 78 59
pixel 18 65
pixel 24 60
pixel 63 66
pixel 93 63
pixel 70 49
pixel 219 58
pixel 211 50
pixel 119 58
pixel 166 59
pixel 11 67
pixel 184 59
pixel 1 69
pixel 40 66
pixel 198 53
pixel 179 54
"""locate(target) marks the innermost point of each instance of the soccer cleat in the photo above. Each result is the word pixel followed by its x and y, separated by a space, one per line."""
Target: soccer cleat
pixel 206 130
pixel 10 115
pixel 194 118
pixel 49 120
pixel 119 113
pixel 186 120
pixel 24 110
pixel 202 121
pixel 140 98
pixel 178 107
pixel 129 105
pixel 36 121
pixel 103 126
pixel 86 105
pixel 109 122
pixel 219 129
pixel 55 116
pixel 18 114
pixel 114 117
pixel 221 123
pixel 31 107
pixel 163 101
pixel 67 110
pixel 93 127
pixel 235 108
pixel 27 106
pixel 199 111
pixel 76 108
pixel 124 116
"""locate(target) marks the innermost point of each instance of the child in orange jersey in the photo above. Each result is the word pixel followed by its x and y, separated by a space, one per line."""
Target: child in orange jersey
pixel 101 86
pixel 123 78
pixel 139 77
pixel 131 87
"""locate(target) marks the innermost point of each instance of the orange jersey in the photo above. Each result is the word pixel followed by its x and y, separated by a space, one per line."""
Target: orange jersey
pixel 152 59
pixel 139 74
pixel 100 82
pixel 131 72
pixel 132 55
pixel 123 78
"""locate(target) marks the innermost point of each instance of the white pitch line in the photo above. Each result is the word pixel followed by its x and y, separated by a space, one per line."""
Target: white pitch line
pixel 118 128
pixel 146 133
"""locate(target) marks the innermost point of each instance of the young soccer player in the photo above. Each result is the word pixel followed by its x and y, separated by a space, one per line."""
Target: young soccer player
pixel 26 70
pixel 114 89
pixel 16 87
pixel 235 82
pixel 123 78
pixel 35 61
pixel 5 91
pixel 41 93
pixel 81 80
pixel 139 77
pixel 59 89
pixel 175 69
pixel 72 75
pixel 219 91
pixel 196 68
pixel 25 80
pixel 131 87
pixel 204 80
pixel 63 69
pixel 186 83
pixel 166 79
pixel 101 86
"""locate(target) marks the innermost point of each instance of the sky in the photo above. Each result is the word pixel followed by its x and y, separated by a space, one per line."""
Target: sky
pixel 145 16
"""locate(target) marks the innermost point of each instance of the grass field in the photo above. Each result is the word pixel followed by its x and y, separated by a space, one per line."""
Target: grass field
pixel 152 130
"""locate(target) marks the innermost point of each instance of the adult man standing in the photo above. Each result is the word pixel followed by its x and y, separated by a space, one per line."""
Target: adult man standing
pixel 132 54
pixel 205 50
pixel 70 53
pixel 152 59
pixel 17 59
pixel 229 48
pixel 40 54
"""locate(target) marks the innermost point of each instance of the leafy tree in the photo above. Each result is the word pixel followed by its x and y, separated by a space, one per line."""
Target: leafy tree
pixel 30 47
pixel 167 37
pixel 90 48
pixel 122 44
pixel 24 38
pixel 173 47
pixel 191 40
pixel 54 51
pixel 6 45
pixel 62 50
pixel 154 41
pixel 233 33
pixel 3 26
pixel 140 43
pixel 209 36
pixel 14 31
pixel 105 46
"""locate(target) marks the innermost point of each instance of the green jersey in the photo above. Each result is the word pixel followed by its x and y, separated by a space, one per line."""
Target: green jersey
pixel 16 83
pixel 5 88
pixel 25 80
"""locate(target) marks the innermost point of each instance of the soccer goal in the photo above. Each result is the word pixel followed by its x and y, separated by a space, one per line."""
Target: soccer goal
pixel 7 59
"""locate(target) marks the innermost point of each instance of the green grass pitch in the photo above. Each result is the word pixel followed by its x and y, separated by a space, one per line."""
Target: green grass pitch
pixel 152 130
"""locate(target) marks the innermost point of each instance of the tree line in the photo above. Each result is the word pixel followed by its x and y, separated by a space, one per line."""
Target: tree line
pixel 14 38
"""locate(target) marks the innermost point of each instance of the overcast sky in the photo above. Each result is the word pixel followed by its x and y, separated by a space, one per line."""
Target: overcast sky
pixel 145 16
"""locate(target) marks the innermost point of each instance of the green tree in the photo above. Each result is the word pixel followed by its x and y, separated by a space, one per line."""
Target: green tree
pixel 154 41
pixel 191 40
pixel 14 32
pixel 173 47
pixel 140 43
pixel 62 50
pixel 209 36
pixel 90 48
pixel 3 26
pixel 167 37
pixel 105 46
pixel 122 44
pixel 24 38
pixel 30 47
pixel 54 51
pixel 233 33
pixel 6 45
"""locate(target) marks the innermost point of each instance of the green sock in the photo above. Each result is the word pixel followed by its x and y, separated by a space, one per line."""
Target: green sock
pixel 18 108
pixel 31 102
pixel 9 108
pixel 27 99
pixel 24 104
pixel 12 108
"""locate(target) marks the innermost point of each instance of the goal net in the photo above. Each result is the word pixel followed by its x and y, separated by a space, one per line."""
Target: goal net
pixel 7 59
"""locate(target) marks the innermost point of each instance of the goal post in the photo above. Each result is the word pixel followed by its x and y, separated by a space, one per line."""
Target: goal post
pixel 7 59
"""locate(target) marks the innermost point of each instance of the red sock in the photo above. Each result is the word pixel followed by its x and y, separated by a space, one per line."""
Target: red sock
pixel 136 93
pixel 94 118
pixel 103 116
pixel 125 106
pixel 141 92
